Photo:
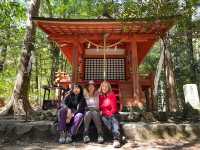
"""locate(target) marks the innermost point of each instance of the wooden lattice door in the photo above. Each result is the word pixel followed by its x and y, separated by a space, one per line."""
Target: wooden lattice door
pixel 115 69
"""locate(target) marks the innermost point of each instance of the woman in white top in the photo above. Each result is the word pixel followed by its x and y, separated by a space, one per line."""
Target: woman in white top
pixel 92 112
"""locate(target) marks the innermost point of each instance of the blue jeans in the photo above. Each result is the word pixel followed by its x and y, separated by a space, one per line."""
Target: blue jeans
pixel 113 125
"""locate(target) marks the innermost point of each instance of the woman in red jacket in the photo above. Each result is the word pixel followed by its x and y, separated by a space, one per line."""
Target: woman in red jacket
pixel 108 108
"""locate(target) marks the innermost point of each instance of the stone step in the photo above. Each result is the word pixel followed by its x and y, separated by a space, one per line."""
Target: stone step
pixel 46 130
pixel 148 131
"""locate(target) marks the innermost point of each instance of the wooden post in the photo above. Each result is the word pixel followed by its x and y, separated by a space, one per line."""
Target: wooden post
pixel 170 77
pixel 75 62
pixel 135 76
pixel 80 61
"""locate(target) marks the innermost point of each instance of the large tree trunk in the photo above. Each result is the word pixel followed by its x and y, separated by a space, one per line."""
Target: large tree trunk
pixel 158 73
pixel 170 78
pixel 192 63
pixel 19 100
pixel 193 77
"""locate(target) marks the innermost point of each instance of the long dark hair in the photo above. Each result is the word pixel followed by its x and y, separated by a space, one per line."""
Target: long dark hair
pixel 80 95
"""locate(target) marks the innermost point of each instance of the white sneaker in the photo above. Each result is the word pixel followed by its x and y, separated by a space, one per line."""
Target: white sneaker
pixel 68 139
pixel 100 139
pixel 86 139
pixel 62 138
pixel 116 144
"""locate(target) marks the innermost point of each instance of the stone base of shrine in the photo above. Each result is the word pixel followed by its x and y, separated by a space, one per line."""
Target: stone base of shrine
pixel 12 130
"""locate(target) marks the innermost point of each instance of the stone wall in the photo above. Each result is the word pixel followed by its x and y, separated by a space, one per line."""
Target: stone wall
pixel 11 130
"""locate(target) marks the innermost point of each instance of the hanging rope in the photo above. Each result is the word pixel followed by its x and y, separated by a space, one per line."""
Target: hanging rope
pixel 102 46
pixel 104 56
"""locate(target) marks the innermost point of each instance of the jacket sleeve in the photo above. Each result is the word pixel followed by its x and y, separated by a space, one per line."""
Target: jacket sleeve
pixel 67 100
pixel 100 101
pixel 113 103
pixel 81 106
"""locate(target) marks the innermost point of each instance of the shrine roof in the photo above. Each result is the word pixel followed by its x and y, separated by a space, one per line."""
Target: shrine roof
pixel 60 26
pixel 146 30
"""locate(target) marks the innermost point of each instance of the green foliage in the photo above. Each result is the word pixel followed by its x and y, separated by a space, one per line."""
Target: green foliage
pixel 148 9
pixel 12 18
pixel 150 63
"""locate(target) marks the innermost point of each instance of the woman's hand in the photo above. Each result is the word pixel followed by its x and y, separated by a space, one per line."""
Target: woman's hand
pixel 69 116
pixel 101 113
pixel 99 90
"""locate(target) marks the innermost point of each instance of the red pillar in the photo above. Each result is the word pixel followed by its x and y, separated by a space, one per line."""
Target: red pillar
pixel 135 74
pixel 75 62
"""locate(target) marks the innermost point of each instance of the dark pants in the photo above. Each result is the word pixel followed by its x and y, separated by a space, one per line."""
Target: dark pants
pixel 113 125
pixel 95 116
pixel 74 124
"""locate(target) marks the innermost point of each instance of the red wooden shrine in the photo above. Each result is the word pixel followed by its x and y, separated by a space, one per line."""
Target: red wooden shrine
pixel 81 40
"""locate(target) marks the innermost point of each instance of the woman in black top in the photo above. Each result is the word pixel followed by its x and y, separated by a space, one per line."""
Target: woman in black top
pixel 71 114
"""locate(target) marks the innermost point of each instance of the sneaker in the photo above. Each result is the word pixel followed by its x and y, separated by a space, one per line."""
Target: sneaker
pixel 100 139
pixel 62 138
pixel 116 144
pixel 68 139
pixel 86 139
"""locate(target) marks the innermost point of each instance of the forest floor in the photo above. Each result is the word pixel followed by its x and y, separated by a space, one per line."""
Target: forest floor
pixel 136 145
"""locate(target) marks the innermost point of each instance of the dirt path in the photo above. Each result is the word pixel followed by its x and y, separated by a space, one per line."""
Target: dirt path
pixel 150 145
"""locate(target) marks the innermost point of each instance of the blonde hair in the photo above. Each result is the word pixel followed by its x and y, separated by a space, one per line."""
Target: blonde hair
pixel 108 84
